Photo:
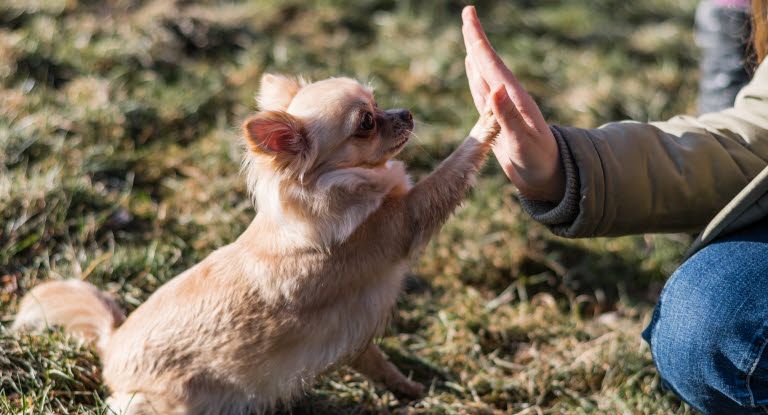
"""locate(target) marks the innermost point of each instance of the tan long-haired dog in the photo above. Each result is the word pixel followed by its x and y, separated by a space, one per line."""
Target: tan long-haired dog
pixel 307 286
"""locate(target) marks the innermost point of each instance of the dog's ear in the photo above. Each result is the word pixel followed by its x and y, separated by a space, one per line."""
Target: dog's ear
pixel 277 91
pixel 275 132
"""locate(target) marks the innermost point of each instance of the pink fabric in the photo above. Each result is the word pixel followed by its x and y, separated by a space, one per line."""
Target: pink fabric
pixel 733 3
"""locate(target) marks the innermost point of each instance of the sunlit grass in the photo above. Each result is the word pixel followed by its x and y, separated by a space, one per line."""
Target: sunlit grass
pixel 119 163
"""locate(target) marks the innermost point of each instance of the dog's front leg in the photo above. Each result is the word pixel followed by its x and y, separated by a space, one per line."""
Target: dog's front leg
pixel 432 200
pixel 375 366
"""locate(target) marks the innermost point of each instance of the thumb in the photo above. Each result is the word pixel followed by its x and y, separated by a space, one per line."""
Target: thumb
pixel 506 112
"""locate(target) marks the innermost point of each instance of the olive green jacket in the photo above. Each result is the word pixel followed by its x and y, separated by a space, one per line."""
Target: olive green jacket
pixel 703 174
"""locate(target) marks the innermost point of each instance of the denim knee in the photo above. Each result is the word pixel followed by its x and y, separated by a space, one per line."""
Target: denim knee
pixel 709 330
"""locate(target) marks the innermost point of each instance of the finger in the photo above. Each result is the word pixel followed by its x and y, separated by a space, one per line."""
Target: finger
pixel 507 113
pixel 481 51
pixel 477 85
pixel 466 35
pixel 486 62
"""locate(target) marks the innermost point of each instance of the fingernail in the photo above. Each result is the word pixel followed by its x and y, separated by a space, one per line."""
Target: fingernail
pixel 467 12
pixel 500 97
pixel 500 93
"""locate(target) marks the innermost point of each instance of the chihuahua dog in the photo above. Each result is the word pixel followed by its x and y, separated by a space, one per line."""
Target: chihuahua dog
pixel 310 283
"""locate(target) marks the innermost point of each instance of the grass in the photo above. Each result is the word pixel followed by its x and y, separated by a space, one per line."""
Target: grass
pixel 119 165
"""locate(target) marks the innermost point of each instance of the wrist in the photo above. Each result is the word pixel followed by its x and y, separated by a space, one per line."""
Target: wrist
pixel 549 190
pixel 543 184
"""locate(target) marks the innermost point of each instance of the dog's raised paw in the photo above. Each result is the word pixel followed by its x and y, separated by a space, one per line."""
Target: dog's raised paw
pixel 487 127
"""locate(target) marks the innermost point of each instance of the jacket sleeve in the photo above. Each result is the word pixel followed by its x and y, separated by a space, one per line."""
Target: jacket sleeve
pixel 673 176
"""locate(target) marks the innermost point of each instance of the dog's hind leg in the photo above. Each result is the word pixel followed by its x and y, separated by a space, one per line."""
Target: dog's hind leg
pixel 375 366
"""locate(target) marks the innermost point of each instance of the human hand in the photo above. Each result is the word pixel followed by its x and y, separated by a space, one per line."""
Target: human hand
pixel 525 148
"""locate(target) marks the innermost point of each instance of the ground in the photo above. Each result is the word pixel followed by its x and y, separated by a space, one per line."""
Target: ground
pixel 119 165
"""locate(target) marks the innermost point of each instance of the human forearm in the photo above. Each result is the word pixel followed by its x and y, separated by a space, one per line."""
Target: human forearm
pixel 637 178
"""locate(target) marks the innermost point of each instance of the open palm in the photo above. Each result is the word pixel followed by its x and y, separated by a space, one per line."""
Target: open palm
pixel 525 148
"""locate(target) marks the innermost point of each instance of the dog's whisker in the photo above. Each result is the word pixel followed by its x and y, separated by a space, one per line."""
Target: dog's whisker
pixel 420 146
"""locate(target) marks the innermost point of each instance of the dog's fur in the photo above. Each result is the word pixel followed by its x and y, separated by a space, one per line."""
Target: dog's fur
pixel 307 286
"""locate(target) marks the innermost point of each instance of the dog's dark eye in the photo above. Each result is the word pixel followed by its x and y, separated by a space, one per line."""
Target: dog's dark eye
pixel 368 122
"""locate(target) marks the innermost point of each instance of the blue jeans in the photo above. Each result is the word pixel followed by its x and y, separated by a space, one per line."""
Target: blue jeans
pixel 709 331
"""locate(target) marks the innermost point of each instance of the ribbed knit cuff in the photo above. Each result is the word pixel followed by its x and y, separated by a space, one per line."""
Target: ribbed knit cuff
pixel 558 216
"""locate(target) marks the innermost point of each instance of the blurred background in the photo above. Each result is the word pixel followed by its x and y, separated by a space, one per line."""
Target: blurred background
pixel 119 164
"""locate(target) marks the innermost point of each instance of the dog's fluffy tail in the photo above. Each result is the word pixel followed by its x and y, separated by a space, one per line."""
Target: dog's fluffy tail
pixel 78 307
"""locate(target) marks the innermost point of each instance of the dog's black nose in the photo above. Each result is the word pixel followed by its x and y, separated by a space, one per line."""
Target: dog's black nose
pixel 406 115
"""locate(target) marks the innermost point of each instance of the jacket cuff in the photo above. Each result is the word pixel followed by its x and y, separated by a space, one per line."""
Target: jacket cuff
pixel 558 217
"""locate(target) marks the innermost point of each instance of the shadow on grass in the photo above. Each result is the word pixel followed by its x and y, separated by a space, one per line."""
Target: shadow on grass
pixel 590 281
